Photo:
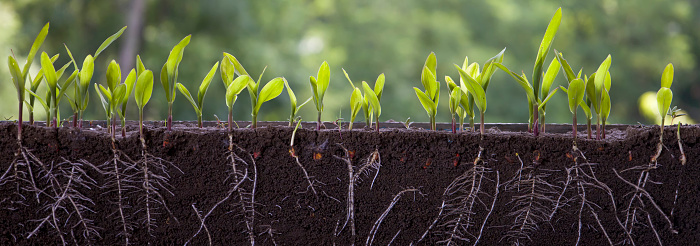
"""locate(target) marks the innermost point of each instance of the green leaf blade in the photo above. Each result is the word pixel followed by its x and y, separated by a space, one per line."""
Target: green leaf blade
pixel 109 41
pixel 667 76
pixel 663 101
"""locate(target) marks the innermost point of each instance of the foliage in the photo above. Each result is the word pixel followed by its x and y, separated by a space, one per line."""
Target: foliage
pixel 431 96
pixel 169 74
pixel 203 87
pixel 319 85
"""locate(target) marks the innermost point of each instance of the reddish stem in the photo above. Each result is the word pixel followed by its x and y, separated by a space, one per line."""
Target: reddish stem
pixel 19 123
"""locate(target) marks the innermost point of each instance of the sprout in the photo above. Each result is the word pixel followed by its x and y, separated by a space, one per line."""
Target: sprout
pixel 454 102
pixel 55 90
pixel 293 102
pixel 233 88
pixel 431 96
pixel 358 101
pixel 319 85
pixel 80 98
pixel 597 89
pixel 114 95
pixel 664 96
pixel 476 82
pixel 19 77
pixel 142 94
pixel 575 91
pixel 203 87
pixel 373 99
pixel 168 75
pixel 129 82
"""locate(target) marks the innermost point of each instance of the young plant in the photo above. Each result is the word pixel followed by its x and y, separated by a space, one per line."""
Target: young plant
pixel 129 82
pixel 476 83
pixel 319 85
pixel 431 96
pixel 293 102
pixel 112 96
pixel 597 91
pixel 663 101
pixel 233 86
pixel 169 73
pixel 80 98
pixel 19 77
pixel 203 87
pixel 142 94
pixel 55 90
pixel 576 90
pixel 538 93
pixel 455 101
pixel 373 99
pixel 271 90
pixel 358 101
pixel 466 101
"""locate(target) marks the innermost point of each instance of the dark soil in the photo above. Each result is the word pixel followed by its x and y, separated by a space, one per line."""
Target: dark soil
pixel 287 212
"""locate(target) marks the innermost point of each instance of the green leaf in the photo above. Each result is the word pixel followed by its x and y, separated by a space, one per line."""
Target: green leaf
pixel 455 99
pixel 522 81
pixel 17 78
pixel 570 76
pixel 591 93
pixel 66 84
pixel 379 86
pixel 575 94
pixel 175 58
pixel 35 48
pixel 105 102
pixel 140 68
pixel 49 71
pixel 238 68
pixel 605 106
pixel 549 76
pixel 129 82
pixel 547 40
pixel 600 74
pixel 663 100
pixel 205 85
pixel 235 88
pixel 187 95
pixel 164 81
pixel 75 65
pixel 41 101
pixel 427 103
pixel 87 72
pixel 667 76
pixel 431 63
pixel 114 75
pixel 544 102
pixel 427 78
pixel 323 80
pixel 118 95
pixel 227 71
pixel 586 110
pixel 348 77
pixel 474 89
pixel 271 90
pixel 292 97
pixel 355 103
pixel 144 88
pixel 489 69
pixel 372 98
pixel 314 93
pixel 109 41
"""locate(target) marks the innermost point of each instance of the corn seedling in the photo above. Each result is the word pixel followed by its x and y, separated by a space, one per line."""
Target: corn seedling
pixel 538 93
pixel 169 73
pixel 272 89
pixel 366 102
pixel 319 85
pixel 293 103
pixel 597 88
pixel 55 90
pixel 454 102
pixel 477 82
pixel 203 87
pixel 663 101
pixel 233 86
pixel 575 92
pixel 431 96
pixel 80 98
pixel 142 94
pixel 113 95
pixel 19 76
pixel 675 112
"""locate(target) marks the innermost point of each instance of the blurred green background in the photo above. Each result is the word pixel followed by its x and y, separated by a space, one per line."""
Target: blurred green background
pixel 366 37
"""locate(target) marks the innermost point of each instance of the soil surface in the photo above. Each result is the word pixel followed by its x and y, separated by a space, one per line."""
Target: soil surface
pixel 411 186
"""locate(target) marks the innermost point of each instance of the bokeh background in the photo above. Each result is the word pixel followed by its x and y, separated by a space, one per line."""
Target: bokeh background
pixel 366 37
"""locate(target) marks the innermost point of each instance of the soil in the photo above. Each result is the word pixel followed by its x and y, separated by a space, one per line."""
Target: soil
pixel 285 211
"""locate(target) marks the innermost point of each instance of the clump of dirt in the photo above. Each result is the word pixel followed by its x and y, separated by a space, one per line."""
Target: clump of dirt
pixel 408 186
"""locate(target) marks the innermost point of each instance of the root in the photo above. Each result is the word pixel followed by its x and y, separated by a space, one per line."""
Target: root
pixel 375 227
pixel 529 205
pixel 637 195
pixel 246 197
pixel 20 174
pixel 120 174
pixel 202 220
pixel 493 204
pixel 154 182
pixel 372 163
pixel 309 179
pixel 66 205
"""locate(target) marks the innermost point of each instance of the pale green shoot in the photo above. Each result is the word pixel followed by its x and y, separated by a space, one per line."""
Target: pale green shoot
pixel 142 94
pixel 203 87
pixel 431 96
pixel 293 103
pixel 319 85
pixel 232 90
pixel 169 74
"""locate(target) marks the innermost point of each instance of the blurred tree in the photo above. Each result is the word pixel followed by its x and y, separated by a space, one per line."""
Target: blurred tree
pixel 367 38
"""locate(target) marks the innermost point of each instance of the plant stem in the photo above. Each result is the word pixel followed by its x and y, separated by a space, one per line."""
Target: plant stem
pixel 482 124
pixel 432 123
pixel 230 118
pixel 535 120
pixel 199 120
pixel 80 121
pixel 31 115
pixel 454 127
pixel 318 122
pixel 603 129
pixel 255 120
pixel 75 119
pixel 597 128
pixel 19 124
pixel 170 116
pixel 471 123
pixel 574 125
pixel 143 142
pixel 543 120
pixel 461 123
pixel 349 125
pixel 588 126
pixel 376 122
